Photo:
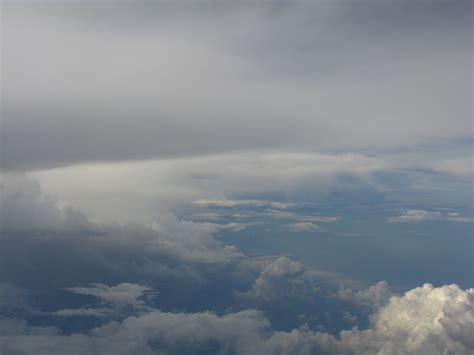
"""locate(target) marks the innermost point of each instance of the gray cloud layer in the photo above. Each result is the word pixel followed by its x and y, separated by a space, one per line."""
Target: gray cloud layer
pixel 118 81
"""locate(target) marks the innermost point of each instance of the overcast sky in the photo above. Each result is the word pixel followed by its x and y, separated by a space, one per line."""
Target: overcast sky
pixel 236 177
pixel 114 80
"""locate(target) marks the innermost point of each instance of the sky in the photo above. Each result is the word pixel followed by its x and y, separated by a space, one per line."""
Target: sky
pixel 217 177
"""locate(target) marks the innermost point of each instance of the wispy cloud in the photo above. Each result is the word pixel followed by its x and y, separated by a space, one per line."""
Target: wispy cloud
pixel 303 227
pixel 424 215
pixel 415 216
pixel 242 203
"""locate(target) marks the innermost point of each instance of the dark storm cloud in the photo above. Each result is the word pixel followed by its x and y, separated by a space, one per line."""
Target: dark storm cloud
pixel 45 247
pixel 123 81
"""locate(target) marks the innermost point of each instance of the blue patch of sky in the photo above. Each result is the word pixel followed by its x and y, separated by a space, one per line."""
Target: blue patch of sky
pixel 363 244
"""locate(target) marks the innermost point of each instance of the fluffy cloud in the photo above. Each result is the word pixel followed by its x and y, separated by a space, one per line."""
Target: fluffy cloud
pixel 292 295
pixel 422 321
pixel 279 280
pixel 66 252
pixel 25 208
pixel 189 264
pixel 374 297
pixel 425 320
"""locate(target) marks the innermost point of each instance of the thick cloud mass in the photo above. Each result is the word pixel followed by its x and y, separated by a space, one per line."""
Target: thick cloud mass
pixel 421 321
pixel 39 234
pixel 375 296
pixel 236 178
pixel 280 280
pixel 106 81
pixel 146 280
pixel 425 320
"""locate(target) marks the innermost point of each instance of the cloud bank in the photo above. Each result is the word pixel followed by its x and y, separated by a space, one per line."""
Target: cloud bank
pixel 87 82
pixel 236 178
pixel 424 320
